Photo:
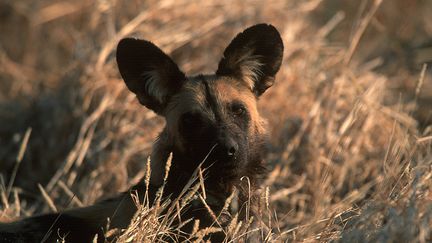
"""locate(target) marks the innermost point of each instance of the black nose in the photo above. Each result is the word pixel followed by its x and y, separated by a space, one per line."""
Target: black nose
pixel 230 148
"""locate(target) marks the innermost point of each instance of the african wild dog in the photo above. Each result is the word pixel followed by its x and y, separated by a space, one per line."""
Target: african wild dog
pixel 206 115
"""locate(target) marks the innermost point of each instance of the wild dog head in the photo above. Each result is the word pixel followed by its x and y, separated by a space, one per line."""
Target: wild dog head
pixel 215 114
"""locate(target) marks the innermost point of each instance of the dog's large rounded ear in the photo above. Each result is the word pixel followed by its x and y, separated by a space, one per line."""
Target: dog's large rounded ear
pixel 148 72
pixel 254 57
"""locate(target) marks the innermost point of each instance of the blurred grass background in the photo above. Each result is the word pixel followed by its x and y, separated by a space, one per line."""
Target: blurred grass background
pixel 349 115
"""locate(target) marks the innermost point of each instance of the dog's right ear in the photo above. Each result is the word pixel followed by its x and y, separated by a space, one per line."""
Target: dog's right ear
pixel 148 72
pixel 254 56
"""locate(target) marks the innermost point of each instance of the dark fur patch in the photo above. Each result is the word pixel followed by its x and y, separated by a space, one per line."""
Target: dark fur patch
pixel 51 227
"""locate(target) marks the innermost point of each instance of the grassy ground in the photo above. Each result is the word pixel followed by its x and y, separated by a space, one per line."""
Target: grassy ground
pixel 349 115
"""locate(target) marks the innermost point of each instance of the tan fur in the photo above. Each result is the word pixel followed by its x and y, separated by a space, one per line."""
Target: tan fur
pixel 250 67
pixel 228 92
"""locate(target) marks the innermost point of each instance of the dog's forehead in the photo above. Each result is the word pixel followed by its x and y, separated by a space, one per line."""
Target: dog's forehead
pixel 222 89
pixel 210 94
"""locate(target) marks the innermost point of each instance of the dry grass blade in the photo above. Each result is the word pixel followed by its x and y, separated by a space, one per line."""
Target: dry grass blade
pixel 18 160
pixel 361 29
pixel 68 191
pixel 287 191
pixel 47 198
pixel 420 81
pixel 55 11
pixel 424 139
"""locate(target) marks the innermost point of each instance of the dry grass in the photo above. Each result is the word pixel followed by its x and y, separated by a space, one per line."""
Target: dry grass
pixel 351 154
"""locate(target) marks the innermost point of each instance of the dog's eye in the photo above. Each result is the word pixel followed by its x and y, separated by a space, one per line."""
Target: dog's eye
pixel 238 109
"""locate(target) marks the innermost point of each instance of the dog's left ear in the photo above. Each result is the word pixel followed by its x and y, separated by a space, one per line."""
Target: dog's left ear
pixel 253 56
pixel 149 73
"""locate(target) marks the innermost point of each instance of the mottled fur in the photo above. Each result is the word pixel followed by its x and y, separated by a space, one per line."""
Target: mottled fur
pixel 202 112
